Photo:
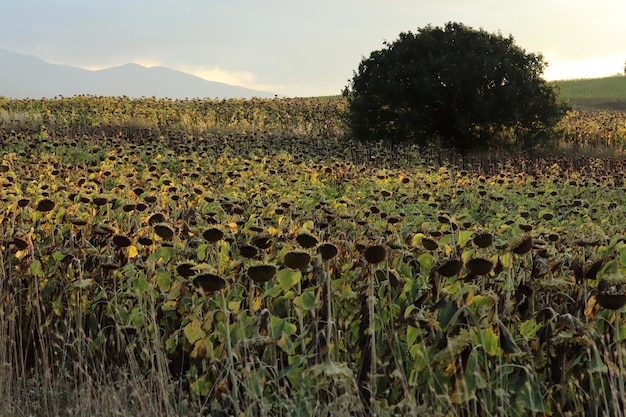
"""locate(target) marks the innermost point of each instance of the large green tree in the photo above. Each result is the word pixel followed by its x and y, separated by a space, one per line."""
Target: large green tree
pixel 456 86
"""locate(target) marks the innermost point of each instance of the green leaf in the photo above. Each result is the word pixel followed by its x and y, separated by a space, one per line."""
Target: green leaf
pixel 169 305
pixel 491 341
pixel 175 290
pixel 58 256
pixel 36 269
pixel 163 280
pixel 529 329
pixel 596 364
pixel 83 283
pixel 201 252
pixel 421 359
pixel 141 284
pixel 201 387
pixel 614 243
pixel 412 334
pixel 306 301
pixel 426 261
pixel 285 344
pixel 530 399
pixel 507 344
pixel 287 278
pixel 622 256
pixel 164 254
pixel 272 292
pixel 280 326
pixel 464 237
pixel 347 266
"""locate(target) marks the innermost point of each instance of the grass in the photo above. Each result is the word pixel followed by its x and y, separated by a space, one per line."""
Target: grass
pixel 607 93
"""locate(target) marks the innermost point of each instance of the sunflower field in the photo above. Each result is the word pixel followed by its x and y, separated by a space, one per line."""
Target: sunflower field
pixel 245 257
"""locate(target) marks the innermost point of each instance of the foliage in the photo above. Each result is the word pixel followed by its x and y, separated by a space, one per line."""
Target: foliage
pixel 461 87
pixel 123 265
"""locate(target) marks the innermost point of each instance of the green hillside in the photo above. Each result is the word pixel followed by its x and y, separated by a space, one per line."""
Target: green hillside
pixel 608 93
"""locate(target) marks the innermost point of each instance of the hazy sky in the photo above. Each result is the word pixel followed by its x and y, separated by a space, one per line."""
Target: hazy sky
pixel 300 48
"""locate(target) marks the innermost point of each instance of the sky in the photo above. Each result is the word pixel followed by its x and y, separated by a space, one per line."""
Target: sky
pixel 300 48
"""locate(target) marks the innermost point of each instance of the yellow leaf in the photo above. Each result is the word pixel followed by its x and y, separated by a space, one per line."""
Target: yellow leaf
pixel 308 225
pixel 451 368
pixel 193 331
pixel 491 341
pixel 417 238
pixel 200 349
pixel 234 306
pixel 257 303
pixel 132 251
pixel 589 311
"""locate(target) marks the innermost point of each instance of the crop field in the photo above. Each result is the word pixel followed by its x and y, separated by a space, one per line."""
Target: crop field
pixel 598 93
pixel 237 257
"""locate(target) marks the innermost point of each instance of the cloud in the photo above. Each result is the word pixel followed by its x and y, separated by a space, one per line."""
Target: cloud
pixel 240 78
pixel 144 62
pixel 564 69
pixel 245 79
pixel 148 63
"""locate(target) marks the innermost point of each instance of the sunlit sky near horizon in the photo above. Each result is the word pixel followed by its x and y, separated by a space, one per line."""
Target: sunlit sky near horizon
pixel 298 48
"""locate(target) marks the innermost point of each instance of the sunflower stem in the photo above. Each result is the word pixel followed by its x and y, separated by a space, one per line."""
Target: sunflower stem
pixel 229 352
pixel 620 359
pixel 372 332
pixel 330 323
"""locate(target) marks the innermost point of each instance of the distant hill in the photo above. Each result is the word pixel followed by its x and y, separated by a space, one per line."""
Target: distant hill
pixel 608 93
pixel 25 76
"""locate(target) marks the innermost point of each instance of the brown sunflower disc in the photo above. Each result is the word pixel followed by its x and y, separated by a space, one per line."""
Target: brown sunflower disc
pixel 164 231
pixel 262 242
pixel 611 301
pixel 297 259
pixel 375 254
pixel 20 243
pixel 248 251
pixel 100 201
pixel 591 268
pixel 261 273
pixel 156 218
pixel 122 241
pixel 479 266
pixel 483 239
pixel 213 234
pixel 327 250
pixel 209 282
pixel 306 240
pixel 45 205
pixel 429 244
pixel 145 241
pixel 522 245
pixel 450 268
pixel 185 270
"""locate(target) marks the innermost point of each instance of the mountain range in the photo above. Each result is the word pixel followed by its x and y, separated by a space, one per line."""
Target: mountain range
pixel 26 76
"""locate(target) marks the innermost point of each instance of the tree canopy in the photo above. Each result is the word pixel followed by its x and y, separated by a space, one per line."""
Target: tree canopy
pixel 456 86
